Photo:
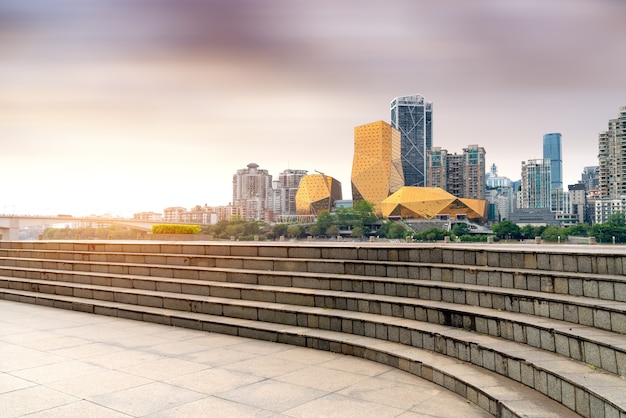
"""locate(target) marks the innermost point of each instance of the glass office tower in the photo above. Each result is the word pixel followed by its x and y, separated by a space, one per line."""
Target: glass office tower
pixel 552 151
pixel 412 116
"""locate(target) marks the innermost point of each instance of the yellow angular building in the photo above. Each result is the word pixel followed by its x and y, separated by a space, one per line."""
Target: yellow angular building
pixel 428 202
pixel 377 163
pixel 317 193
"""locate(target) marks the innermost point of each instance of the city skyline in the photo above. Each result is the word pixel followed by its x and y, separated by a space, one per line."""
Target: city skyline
pixel 129 106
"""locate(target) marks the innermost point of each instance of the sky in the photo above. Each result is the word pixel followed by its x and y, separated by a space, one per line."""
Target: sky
pixel 124 106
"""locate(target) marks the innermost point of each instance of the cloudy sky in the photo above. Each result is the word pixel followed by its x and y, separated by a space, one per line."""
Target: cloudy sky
pixel 123 106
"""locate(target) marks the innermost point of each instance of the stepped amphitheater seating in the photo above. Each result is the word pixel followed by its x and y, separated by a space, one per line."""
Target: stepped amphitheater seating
pixel 520 330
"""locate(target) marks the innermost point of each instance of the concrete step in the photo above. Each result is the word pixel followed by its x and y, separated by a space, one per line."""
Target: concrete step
pixel 537 368
pixel 602 349
pixel 601 286
pixel 493 392
pixel 580 310
pixel 559 258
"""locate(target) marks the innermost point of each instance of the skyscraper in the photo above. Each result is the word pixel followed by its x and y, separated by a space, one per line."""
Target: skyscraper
pixel 552 151
pixel 412 116
pixel 462 175
pixel 536 180
pixel 376 166
pixel 612 158
pixel 250 187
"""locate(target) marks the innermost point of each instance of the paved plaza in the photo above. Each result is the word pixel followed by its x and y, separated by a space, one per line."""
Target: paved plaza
pixel 58 363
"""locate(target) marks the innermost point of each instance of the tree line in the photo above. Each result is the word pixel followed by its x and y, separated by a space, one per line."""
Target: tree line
pixel 614 228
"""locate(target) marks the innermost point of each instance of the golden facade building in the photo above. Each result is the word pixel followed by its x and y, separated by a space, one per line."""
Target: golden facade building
pixel 377 163
pixel 428 202
pixel 317 193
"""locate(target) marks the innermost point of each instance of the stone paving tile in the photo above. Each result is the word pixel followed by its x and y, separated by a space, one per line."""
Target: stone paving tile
pixel 265 366
pixel 147 399
pixel 218 356
pixel 227 376
pixel 33 399
pixel 321 378
pixel 272 395
pixel 217 407
pixel 58 371
pixel 390 393
pixel 214 380
pixel 79 409
pixel 100 383
pixel 340 406
pixel 9 383
pixel 164 368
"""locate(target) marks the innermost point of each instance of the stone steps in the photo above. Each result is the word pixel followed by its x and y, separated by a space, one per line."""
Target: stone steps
pixel 537 368
pixel 521 314
pixel 582 343
pixel 599 313
pixel 493 392
pixel 595 285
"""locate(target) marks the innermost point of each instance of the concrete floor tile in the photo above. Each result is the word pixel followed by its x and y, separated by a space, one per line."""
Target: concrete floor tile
pixel 33 399
pixel 79 409
pixel 265 366
pixel 16 358
pixel 147 399
pixel 9 383
pixel 211 340
pixel 218 356
pixel 86 350
pixel 272 395
pixel 58 371
pixel 260 347
pixel 214 380
pixel 306 355
pixel 175 348
pixel 164 368
pixel 122 358
pixel 338 406
pixel 387 392
pixel 100 383
pixel 356 365
pixel 211 406
pixel 328 380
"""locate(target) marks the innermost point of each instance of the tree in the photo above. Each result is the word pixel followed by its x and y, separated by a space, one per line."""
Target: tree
pixel 332 230
pixel 506 230
pixel 553 233
pixel 295 231
pixel 324 221
pixel 314 230
pixel 278 230
pixel 357 232
pixel 460 229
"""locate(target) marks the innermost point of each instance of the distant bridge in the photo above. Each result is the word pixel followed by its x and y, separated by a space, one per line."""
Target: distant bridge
pixel 10 224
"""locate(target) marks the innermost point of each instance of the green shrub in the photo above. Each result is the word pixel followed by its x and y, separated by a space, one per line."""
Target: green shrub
pixel 175 229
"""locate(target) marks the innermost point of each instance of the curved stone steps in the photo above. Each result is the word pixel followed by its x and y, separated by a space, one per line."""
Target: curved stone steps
pixel 467 374
pixel 608 315
pixel 596 347
pixel 504 357
pixel 595 285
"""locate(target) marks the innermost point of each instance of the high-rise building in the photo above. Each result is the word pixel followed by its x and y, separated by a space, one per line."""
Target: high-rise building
pixel 250 187
pixel 474 172
pixel 612 158
pixel 462 175
pixel 377 165
pixel 590 177
pixel 535 192
pixel 413 116
pixel 552 151
pixel 500 193
pixel 281 199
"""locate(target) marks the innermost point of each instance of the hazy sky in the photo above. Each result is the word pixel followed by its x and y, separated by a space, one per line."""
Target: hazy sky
pixel 124 106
